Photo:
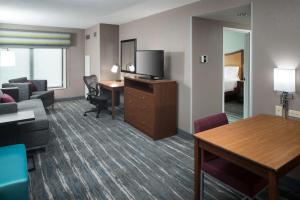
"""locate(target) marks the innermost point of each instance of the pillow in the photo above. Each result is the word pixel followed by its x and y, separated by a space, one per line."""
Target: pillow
pixel 32 86
pixel 231 73
pixel 5 98
pixel 18 80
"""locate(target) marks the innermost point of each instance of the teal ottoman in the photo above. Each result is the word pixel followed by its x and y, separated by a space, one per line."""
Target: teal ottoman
pixel 13 173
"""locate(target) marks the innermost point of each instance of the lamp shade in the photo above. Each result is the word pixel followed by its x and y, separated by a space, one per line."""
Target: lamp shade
pixel 7 58
pixel 284 80
pixel 114 69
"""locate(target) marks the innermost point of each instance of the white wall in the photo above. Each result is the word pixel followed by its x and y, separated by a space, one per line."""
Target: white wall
pixel 233 41
pixel 276 43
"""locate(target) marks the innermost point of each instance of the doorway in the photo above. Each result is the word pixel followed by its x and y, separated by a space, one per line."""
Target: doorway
pixel 236 73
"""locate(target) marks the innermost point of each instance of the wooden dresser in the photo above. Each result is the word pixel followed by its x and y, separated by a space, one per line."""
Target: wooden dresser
pixel 151 106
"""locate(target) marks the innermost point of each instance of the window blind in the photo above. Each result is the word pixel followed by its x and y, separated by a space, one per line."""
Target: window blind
pixel 34 38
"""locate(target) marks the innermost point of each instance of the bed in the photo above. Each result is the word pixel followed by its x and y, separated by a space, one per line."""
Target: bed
pixel 233 75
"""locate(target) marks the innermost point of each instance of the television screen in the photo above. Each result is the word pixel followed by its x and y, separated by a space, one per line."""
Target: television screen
pixel 150 62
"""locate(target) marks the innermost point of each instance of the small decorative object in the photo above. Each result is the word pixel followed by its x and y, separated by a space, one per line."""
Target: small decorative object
pixel 7 58
pixel 284 81
pixel 131 68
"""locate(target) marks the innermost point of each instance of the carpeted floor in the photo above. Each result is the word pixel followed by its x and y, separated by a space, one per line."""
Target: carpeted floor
pixel 89 158
pixel 234 111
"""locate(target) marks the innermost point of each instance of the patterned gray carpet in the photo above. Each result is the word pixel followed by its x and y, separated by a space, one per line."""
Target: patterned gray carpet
pixel 89 158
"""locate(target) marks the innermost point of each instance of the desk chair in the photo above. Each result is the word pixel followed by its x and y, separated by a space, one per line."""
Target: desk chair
pixel 95 96
pixel 240 180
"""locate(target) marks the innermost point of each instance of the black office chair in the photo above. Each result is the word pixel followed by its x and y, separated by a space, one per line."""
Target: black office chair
pixel 95 96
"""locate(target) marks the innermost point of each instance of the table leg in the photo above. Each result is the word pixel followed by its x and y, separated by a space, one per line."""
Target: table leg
pixel 197 158
pixel 113 101
pixel 273 186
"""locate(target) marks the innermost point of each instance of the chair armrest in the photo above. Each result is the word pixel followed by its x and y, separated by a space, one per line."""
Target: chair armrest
pixel 13 92
pixel 24 89
pixel 41 85
pixel 6 108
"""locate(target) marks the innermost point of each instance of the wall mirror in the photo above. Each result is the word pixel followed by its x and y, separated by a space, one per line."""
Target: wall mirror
pixel 128 59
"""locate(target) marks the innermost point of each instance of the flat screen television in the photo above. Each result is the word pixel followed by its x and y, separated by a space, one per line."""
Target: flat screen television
pixel 150 63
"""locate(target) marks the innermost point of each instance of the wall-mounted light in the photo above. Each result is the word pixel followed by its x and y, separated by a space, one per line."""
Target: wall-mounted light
pixel 284 81
pixel 7 58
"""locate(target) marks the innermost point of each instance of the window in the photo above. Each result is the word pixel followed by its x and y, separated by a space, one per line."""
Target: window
pixel 37 63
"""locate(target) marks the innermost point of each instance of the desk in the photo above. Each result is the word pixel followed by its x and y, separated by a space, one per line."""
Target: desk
pixel 266 145
pixel 114 87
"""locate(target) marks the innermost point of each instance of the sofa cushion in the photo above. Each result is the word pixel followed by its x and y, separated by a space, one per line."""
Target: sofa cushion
pixel 41 120
pixel 41 94
pixel 32 86
pixel 18 80
pixel 5 98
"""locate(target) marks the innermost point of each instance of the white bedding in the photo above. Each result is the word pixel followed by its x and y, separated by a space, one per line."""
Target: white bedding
pixel 231 76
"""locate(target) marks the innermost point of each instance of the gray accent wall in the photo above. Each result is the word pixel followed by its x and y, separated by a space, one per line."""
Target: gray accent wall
pixel 171 31
pixel 207 77
pixel 207 91
pixel 75 58
pixel 92 48
pixel 103 50
pixel 109 51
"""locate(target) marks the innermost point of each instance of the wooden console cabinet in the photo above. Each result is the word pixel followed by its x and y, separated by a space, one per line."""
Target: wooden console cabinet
pixel 151 106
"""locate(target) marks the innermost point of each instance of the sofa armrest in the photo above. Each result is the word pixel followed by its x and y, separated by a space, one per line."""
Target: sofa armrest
pixel 24 89
pixel 13 92
pixel 6 108
pixel 41 85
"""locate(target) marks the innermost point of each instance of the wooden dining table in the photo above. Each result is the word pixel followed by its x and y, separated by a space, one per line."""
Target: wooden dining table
pixel 268 146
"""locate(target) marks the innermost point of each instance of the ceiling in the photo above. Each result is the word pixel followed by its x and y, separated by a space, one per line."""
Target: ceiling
pixel 231 15
pixel 81 13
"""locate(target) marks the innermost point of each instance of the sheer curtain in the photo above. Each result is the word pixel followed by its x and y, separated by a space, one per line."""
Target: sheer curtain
pixel 48 64
pixel 21 68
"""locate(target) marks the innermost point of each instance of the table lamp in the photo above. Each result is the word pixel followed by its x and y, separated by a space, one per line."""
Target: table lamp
pixel 7 58
pixel 284 81
pixel 114 70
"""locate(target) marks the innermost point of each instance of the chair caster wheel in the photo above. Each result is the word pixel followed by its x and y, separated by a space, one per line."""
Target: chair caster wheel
pixel 97 116
pixel 84 115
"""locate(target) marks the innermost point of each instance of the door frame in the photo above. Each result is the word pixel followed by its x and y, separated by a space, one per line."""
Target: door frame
pixel 247 110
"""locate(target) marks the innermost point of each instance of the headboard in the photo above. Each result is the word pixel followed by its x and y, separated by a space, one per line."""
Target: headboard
pixel 235 59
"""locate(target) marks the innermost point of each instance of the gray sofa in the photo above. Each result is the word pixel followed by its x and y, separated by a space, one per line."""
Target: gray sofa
pixel 26 90
pixel 34 134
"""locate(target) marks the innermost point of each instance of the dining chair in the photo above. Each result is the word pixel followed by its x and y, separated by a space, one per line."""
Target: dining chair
pixel 231 175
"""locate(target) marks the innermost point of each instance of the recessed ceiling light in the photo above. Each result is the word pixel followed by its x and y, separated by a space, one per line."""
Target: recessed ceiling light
pixel 242 14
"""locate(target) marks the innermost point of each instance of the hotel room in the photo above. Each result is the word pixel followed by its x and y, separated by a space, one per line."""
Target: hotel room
pixel 148 99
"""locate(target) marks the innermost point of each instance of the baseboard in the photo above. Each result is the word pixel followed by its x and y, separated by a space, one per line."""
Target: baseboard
pixel 185 135
pixel 69 98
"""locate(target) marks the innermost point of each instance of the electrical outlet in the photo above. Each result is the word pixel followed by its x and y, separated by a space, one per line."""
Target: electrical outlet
pixel 294 113
pixel 278 110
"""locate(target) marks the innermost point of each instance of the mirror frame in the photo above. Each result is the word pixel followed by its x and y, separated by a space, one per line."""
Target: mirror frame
pixel 122 42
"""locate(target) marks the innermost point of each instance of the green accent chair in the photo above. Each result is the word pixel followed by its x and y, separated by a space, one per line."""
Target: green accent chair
pixel 13 173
